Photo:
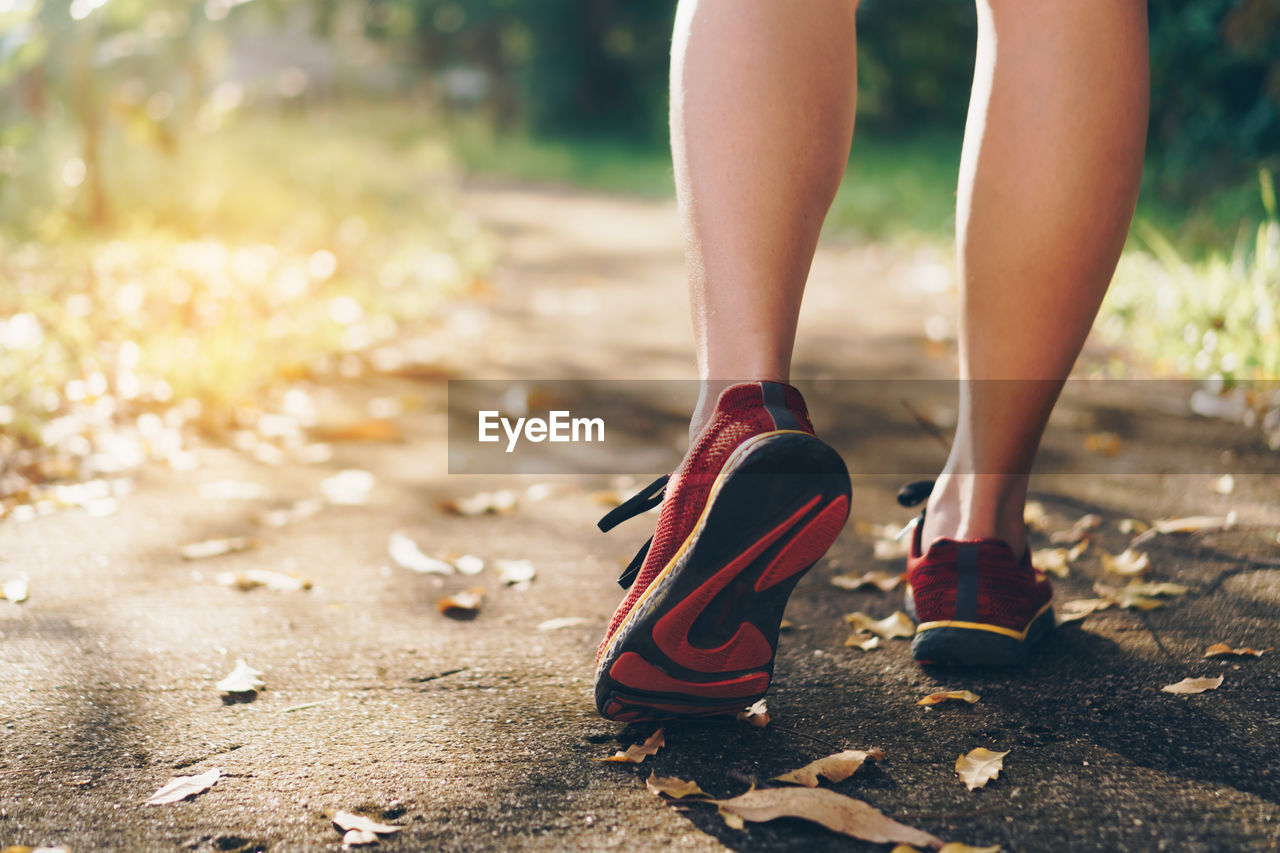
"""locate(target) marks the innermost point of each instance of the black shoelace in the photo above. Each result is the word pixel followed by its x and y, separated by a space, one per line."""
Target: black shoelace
pixel 641 502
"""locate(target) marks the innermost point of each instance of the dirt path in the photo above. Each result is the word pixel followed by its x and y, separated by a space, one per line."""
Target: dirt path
pixel 479 735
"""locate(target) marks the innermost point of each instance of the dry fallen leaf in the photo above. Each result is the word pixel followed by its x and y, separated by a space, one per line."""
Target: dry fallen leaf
pixel 499 503
pixel 406 554
pixel 825 807
pixel 757 715
pixel 181 787
pixel 1138 595
pixel 254 578
pixel 350 487
pixel 1193 685
pixel 1104 443
pixel 897 625
pixel 468 564
pixel 1034 515
pixel 883 581
pixel 1052 560
pixel 1077 550
pixel 513 572
pixel 1127 563
pixel 892 549
pixel 1189 524
pixel 1156 588
pixel 217 547
pixel 957 847
pixel 674 788
pixel 346 821
pixel 1074 611
pixel 14 590
pixel 295 512
pixel 637 753
pixel 242 679
pixel 562 622
pixel 462 604
pixel 1132 525
pixel 1224 485
pixel 958 695
pixel 358 838
pixel 1077 531
pixel 862 641
pixel 979 767
pixel 834 768
pixel 1223 649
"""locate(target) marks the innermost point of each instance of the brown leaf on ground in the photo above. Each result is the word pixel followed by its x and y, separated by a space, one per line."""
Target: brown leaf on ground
pixel 1132 525
pixel 485 503
pixel 358 838
pixel 462 604
pixel 1103 443
pixel 957 847
pixel 957 695
pixel 1188 524
pixel 1078 549
pixel 1193 685
pixel 979 767
pixel 1052 560
pixel 834 768
pixel 1156 588
pixel 1127 563
pixel 1077 531
pixel 298 511
pixel 891 549
pixel 406 554
pixel 676 789
pixel 512 572
pixel 1218 649
pixel 181 787
pixel 254 578
pixel 218 547
pixel 897 625
pixel 1138 595
pixel 1035 516
pixel 836 812
pixel 757 715
pixel 14 590
pixel 1074 611
pixel 883 581
pixel 637 753
pixel 242 679
pixel 562 622
pixel 346 821
pixel 862 641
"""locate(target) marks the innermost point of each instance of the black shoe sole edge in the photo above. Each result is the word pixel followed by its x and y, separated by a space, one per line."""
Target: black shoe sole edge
pixel 761 488
pixel 950 645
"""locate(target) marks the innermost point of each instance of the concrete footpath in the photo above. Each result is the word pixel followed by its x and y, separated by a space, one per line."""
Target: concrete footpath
pixel 480 734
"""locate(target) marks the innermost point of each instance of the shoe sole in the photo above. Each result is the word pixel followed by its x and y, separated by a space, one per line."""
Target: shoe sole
pixel 975 644
pixel 701 640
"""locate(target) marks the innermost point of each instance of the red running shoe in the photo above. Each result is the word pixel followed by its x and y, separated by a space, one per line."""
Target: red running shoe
pixel 755 503
pixel 973 601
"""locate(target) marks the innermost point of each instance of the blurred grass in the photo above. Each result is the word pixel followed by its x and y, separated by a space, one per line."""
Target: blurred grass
pixel 241 258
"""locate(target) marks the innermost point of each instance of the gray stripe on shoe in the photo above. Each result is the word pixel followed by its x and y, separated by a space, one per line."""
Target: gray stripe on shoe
pixel 775 403
pixel 967 584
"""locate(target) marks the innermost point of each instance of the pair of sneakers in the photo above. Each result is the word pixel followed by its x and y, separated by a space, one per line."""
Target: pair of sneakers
pixel 754 504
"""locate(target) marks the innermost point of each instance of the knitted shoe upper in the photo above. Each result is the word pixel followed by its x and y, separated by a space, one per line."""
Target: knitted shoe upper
pixel 742 411
pixel 1010 592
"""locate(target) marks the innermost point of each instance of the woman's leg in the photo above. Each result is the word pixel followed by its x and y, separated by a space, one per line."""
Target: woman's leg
pixel 762 106
pixel 1049 176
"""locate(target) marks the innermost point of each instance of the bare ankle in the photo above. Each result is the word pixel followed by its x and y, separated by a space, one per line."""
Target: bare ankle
pixel 977 506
